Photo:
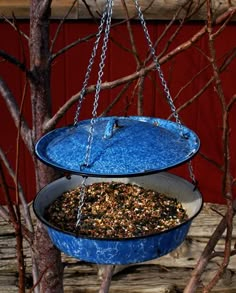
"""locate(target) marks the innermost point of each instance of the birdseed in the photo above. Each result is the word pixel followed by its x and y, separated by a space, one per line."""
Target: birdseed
pixel 116 210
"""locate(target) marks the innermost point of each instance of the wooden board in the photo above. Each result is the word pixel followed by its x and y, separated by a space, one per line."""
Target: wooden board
pixel 153 9
pixel 166 274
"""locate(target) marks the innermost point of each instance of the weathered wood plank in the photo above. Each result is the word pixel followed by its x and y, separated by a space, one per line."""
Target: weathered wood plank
pixel 20 8
pixel 166 274
pixel 151 279
pixel 153 9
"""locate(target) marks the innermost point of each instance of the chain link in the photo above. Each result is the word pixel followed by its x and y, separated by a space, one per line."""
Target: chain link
pixel 91 61
pixel 163 82
pixel 156 62
pixel 106 19
pixel 81 201
pixel 99 81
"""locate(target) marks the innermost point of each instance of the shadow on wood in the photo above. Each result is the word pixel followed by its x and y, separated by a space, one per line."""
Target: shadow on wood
pixel 166 274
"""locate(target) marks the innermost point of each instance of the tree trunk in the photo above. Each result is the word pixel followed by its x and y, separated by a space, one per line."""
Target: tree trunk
pixel 49 262
pixel 47 256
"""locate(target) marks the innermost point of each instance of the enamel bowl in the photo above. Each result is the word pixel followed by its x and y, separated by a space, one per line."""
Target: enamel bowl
pixel 125 250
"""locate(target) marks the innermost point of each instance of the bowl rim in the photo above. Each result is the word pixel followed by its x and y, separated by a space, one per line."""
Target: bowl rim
pixel 51 226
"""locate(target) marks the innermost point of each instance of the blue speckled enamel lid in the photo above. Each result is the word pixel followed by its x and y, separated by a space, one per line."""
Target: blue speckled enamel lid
pixel 121 146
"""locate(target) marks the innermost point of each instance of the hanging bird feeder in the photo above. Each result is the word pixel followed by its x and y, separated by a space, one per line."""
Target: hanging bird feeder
pixel 122 250
pixel 132 150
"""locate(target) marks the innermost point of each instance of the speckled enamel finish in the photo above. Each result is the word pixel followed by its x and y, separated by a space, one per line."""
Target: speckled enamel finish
pixel 122 251
pixel 121 146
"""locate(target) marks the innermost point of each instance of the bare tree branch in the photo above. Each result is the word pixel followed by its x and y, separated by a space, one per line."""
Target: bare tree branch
pixel 221 254
pixel 16 62
pixel 188 14
pixel 75 43
pixel 15 114
pixel 206 255
pixel 12 23
pixel 60 25
pixel 231 103
pixel 227 181
pixel 212 161
pixel 109 85
pixel 116 99
pixel 223 26
pixel 223 67
pixel 25 206
pixel 16 222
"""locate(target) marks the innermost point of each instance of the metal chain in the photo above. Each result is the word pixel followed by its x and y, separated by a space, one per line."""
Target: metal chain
pixel 81 201
pixel 106 16
pixel 106 19
pixel 99 81
pixel 157 64
pixel 91 61
pixel 161 76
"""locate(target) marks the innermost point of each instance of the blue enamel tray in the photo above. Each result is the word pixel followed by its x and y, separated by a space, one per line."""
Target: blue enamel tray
pixel 121 146
pixel 122 250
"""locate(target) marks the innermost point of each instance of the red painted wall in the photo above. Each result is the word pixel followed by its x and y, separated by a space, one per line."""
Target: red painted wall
pixel 204 115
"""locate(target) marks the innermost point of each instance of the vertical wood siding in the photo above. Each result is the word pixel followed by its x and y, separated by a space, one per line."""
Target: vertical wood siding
pixel 203 116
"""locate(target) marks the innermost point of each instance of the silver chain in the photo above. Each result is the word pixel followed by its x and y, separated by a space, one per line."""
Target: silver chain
pixel 157 64
pixel 99 80
pixel 163 82
pixel 81 201
pixel 91 61
pixel 106 19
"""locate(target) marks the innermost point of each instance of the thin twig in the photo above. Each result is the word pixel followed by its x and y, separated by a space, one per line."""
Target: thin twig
pixel 15 114
pixel 26 213
pixel 85 39
pixel 79 41
pixel 188 15
pixel 19 237
pixel 223 26
pixel 60 26
pixel 13 60
pixel 227 220
pixel 12 23
pixel 116 99
pixel 88 9
pixel 231 103
pixel 16 222
pixel 217 212
pixel 229 56
pixel 221 254
pixel 131 36
pixel 40 277
pixel 227 61
pixel 206 255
